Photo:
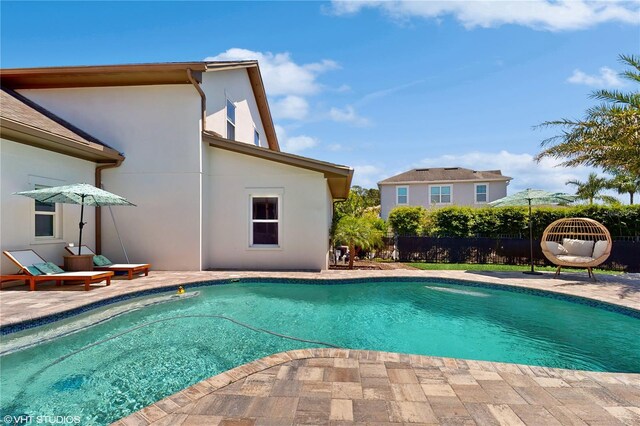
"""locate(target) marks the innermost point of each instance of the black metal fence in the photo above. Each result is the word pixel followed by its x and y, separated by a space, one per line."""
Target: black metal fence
pixel 625 253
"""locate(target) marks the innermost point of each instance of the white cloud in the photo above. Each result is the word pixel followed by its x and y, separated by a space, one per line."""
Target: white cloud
pixel 299 143
pixel 282 76
pixel 551 15
pixel 526 173
pixel 294 144
pixel 289 85
pixel 386 92
pixel 607 78
pixel 290 107
pixel 347 115
pixel 366 175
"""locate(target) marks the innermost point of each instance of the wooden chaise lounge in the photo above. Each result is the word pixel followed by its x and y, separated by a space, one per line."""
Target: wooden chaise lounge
pixel 129 268
pixel 27 260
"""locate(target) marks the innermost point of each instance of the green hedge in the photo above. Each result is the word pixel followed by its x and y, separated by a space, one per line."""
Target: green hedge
pixel 502 221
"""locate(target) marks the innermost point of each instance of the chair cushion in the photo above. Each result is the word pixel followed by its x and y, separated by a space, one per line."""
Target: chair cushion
pixel 100 260
pixel 600 247
pixel 578 247
pixel 556 248
pixel 49 268
pixel 575 259
pixel 34 271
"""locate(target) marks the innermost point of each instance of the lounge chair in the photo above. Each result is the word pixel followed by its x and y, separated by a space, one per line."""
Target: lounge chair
pixel 34 269
pixel 130 268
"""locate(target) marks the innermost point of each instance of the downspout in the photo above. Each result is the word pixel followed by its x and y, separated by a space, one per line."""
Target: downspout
pixel 203 128
pixel 203 99
pixel 98 179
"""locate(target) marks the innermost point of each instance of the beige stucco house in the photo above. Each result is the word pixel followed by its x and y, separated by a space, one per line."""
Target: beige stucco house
pixel 192 144
pixel 440 187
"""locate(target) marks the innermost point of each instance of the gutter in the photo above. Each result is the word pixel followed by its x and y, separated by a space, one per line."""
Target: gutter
pixel 203 97
pixel 98 214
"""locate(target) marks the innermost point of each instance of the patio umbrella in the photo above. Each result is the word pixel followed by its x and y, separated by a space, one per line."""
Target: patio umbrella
pixel 78 193
pixel 533 197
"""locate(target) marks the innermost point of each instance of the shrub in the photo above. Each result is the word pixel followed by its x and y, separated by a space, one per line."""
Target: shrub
pixel 514 221
pixel 454 221
pixel 407 220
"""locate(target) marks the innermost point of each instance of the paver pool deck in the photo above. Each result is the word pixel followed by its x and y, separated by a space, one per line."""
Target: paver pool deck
pixel 339 386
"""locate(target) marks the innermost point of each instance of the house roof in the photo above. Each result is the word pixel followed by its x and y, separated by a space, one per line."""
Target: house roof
pixel 25 121
pixel 445 174
pixel 137 75
pixel 338 177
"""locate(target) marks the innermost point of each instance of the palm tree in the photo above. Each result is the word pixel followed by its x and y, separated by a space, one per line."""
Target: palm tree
pixel 609 134
pixel 625 183
pixel 590 189
pixel 356 231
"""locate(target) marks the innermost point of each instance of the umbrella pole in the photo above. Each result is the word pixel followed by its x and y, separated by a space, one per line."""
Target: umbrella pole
pixel 530 238
pixel 531 272
pixel 81 225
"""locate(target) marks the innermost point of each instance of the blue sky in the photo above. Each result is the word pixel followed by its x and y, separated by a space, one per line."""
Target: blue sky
pixel 381 86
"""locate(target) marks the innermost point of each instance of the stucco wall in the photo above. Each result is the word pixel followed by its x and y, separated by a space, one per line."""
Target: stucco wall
pixel 158 129
pixel 462 194
pixel 305 216
pixel 235 86
pixel 21 167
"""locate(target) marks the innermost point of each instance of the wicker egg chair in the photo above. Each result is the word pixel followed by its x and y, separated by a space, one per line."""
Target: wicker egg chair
pixel 577 242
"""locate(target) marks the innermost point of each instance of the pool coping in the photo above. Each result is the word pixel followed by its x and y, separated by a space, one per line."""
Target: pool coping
pixel 176 408
pixel 10 326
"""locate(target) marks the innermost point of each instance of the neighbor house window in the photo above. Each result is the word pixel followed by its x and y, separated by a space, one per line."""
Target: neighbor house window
pixel 231 120
pixel 440 194
pixel 402 195
pixel 256 138
pixel 45 218
pixel 264 221
pixel 481 193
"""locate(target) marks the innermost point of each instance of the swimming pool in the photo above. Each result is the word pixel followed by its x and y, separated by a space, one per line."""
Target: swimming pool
pixel 155 351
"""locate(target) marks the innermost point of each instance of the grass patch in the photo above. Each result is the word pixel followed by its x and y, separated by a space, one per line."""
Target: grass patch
pixel 492 267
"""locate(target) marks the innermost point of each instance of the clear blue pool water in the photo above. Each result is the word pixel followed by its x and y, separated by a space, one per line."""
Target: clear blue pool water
pixel 108 381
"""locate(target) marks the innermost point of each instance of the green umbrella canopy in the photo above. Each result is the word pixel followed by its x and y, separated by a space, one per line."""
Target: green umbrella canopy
pixel 533 197
pixel 78 193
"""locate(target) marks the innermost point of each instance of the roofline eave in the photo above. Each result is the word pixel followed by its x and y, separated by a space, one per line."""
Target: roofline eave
pixel 28 135
pixel 410 182
pixel 340 176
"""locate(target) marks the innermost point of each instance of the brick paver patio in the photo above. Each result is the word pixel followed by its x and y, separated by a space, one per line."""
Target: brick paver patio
pixel 348 387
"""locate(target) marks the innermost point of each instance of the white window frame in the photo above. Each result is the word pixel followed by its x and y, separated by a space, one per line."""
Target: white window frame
pixel 475 193
pixel 441 186
pixel 36 182
pixel 398 196
pixel 233 123
pixel 265 193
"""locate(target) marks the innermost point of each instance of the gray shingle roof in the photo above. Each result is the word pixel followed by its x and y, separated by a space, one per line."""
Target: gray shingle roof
pixel 16 107
pixel 442 174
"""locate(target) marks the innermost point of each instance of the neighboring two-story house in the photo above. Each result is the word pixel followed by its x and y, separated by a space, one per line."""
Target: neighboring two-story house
pixel 440 187
pixel 192 144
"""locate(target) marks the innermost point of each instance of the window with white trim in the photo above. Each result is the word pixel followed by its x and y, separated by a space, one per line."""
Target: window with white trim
pixel 265 221
pixel 440 194
pixel 46 218
pixel 231 120
pixel 482 190
pixel 256 138
pixel 402 195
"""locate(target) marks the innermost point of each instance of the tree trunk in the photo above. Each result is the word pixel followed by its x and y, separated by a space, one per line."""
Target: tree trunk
pixel 631 198
pixel 352 249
